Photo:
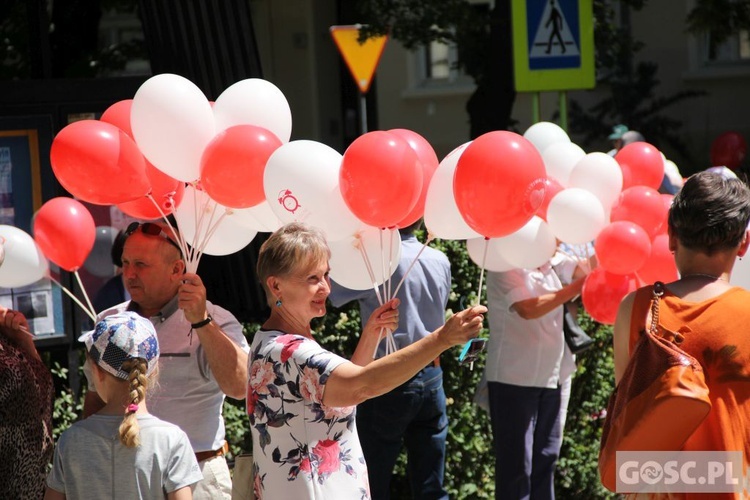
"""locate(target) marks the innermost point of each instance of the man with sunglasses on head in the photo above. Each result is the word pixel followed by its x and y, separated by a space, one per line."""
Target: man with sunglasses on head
pixel 203 351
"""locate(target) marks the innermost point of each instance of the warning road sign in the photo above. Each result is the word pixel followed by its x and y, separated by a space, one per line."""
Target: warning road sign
pixel 553 44
pixel 361 58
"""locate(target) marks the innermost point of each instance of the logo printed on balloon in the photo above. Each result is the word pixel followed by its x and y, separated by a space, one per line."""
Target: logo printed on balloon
pixel 535 195
pixel 288 201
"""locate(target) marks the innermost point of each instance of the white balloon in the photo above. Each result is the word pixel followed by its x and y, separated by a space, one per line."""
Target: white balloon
pixel 722 171
pixel 24 262
pixel 493 259
pixel 441 216
pixel 207 224
pixel 301 182
pixel 348 266
pixel 576 216
pixel 544 134
pixel 172 123
pixel 560 158
pixel 599 174
pixel 254 101
pixel 260 218
pixel 673 173
pixel 529 247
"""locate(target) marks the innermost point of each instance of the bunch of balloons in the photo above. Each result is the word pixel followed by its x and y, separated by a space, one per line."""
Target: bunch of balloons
pixel 146 154
pixel 551 192
pixel 228 170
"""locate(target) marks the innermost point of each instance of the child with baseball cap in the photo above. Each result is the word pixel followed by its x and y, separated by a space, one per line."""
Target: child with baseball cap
pixel 122 451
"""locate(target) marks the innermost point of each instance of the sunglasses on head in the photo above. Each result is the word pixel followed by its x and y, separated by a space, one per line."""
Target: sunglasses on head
pixel 151 229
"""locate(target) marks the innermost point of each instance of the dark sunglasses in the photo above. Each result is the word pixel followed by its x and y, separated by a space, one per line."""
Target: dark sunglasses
pixel 151 229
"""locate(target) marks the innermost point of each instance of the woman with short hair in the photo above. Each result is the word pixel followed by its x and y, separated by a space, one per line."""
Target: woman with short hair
pixel 708 230
pixel 301 398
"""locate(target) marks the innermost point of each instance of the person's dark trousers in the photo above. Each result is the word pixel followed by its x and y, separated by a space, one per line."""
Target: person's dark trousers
pixel 527 435
pixel 412 414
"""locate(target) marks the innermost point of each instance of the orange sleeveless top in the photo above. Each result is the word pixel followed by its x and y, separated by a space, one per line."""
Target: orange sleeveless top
pixel 717 334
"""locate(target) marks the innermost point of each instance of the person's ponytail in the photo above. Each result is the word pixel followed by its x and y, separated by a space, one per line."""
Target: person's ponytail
pixel 129 429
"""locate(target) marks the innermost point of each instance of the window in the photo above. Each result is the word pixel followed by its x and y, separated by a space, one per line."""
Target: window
pixel 732 51
pixel 440 62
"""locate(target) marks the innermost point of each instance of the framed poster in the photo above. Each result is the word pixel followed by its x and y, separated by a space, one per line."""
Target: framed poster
pixel 24 165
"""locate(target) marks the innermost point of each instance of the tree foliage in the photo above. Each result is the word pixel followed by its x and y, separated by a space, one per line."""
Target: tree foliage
pixel 720 18
pixel 633 97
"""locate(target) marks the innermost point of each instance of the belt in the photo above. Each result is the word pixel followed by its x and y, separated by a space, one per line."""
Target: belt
pixel 205 455
pixel 435 363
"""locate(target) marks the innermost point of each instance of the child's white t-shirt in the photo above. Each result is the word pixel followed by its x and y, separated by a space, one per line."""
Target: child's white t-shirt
pixel 91 462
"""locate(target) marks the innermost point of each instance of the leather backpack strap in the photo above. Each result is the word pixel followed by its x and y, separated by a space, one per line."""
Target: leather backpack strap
pixel 652 319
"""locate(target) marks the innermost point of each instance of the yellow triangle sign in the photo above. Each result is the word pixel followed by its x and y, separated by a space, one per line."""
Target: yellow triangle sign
pixel 362 59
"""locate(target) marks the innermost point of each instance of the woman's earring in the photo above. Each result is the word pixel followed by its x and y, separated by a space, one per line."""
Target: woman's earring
pixel 278 302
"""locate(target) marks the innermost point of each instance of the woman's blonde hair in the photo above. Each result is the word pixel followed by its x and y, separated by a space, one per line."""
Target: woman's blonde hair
pixel 292 247
pixel 129 429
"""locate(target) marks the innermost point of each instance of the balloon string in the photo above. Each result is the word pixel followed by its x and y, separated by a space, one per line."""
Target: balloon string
pixel 382 266
pixel 408 270
pixel 380 336
pixel 199 221
pixel 209 233
pixel 390 263
pixel 177 236
pixel 392 341
pixel 73 298
pixel 370 271
pixel 481 274
pixel 368 266
pixel 83 290
pixel 204 230
pixel 389 344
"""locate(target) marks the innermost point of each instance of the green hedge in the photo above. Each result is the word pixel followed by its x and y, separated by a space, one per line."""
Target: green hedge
pixel 470 458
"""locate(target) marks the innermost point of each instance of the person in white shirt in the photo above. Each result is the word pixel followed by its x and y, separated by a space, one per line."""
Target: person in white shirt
pixel 529 369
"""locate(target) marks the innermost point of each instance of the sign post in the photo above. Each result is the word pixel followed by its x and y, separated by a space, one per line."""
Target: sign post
pixel 361 58
pixel 553 48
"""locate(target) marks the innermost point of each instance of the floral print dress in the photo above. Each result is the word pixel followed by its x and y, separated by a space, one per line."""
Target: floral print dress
pixel 302 448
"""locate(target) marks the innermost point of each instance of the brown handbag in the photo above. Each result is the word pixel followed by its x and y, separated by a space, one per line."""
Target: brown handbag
pixel 660 400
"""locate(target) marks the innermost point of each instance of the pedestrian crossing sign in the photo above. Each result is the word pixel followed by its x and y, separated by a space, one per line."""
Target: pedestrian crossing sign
pixel 553 45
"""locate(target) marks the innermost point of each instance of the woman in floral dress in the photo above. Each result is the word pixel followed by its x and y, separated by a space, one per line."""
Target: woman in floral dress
pixel 301 398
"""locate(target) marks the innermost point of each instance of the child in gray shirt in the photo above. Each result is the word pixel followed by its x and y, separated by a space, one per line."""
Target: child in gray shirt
pixel 135 456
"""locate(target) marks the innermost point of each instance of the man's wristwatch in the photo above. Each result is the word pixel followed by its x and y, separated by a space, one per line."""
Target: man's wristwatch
pixel 202 323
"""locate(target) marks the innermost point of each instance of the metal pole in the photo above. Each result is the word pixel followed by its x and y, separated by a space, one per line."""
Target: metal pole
pixel 536 115
pixel 564 110
pixel 363 111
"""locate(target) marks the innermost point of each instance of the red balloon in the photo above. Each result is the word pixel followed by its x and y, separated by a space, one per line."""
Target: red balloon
pixel 381 178
pixel 552 187
pixel 232 165
pixel 118 115
pixel 642 165
pixel 667 200
pixel 97 162
pixel 728 150
pixel 166 193
pixel 65 232
pixel 429 161
pixel 660 264
pixel 603 291
pixel 499 183
pixel 642 205
pixel 622 247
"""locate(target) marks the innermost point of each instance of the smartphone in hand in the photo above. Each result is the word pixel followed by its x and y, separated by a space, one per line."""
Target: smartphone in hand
pixel 471 350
